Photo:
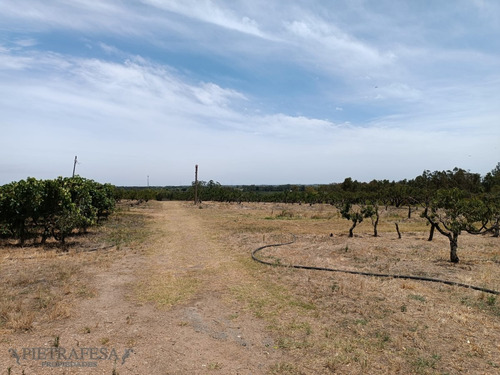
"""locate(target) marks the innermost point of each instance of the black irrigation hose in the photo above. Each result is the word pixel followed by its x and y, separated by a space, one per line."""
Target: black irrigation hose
pixel 409 277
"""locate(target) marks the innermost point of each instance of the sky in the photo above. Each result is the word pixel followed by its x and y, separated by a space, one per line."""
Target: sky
pixel 254 92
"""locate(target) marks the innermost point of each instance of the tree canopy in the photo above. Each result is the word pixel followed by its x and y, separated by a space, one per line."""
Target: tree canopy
pixel 34 208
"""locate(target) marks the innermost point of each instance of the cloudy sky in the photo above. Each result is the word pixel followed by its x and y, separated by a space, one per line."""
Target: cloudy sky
pixel 254 91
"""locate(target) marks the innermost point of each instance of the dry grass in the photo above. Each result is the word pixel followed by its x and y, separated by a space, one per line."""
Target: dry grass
pixel 36 291
pixel 41 284
pixel 167 289
pixel 321 322
pixel 341 323
pixel 186 272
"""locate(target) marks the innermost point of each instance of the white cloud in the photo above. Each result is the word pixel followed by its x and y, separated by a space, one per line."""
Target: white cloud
pixel 143 112
pixel 210 12
pixel 90 16
pixel 9 62
pixel 342 48
pixel 201 88
pixel 292 128
pixel 210 93
pixel 28 42
pixel 397 90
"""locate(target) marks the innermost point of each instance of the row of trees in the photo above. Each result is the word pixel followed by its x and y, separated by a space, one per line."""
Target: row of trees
pixel 453 201
pixel 449 211
pixel 32 208
pixel 387 193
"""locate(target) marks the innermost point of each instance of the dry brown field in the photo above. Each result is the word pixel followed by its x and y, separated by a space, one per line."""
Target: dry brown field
pixel 175 283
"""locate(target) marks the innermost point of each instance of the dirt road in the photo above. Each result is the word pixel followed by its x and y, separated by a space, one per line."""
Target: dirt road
pixel 170 302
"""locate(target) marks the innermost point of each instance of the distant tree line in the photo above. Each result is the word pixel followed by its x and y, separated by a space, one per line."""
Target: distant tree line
pixel 387 193
pixel 41 209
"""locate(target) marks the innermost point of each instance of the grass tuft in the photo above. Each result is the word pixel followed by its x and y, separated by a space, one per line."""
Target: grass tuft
pixel 168 289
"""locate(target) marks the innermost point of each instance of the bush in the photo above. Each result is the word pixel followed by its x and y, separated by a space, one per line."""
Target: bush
pixel 34 208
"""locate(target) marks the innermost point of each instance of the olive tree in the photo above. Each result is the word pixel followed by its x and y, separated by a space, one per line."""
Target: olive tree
pixel 371 211
pixel 357 214
pixel 452 212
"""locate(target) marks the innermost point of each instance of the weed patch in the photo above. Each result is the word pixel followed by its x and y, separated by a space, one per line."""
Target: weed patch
pixel 167 289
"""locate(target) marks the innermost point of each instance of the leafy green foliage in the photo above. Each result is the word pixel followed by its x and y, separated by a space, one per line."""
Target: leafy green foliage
pixel 417 191
pixel 453 211
pixel 356 214
pixel 34 208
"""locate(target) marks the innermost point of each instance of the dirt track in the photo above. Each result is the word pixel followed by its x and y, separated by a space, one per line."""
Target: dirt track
pixel 204 331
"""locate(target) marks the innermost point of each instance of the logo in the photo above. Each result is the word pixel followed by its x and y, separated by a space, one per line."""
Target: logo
pixel 74 357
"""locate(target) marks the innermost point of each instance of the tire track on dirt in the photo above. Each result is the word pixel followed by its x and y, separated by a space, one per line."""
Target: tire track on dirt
pixel 202 330
pixel 207 331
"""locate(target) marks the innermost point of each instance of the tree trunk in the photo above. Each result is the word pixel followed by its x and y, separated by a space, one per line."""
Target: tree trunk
pixel 352 228
pixel 397 230
pixel 409 211
pixel 22 234
pixel 431 233
pixel 375 223
pixel 453 248
pixel 45 235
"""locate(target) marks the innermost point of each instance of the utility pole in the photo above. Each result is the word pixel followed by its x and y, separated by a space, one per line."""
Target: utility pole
pixel 74 166
pixel 148 181
pixel 196 184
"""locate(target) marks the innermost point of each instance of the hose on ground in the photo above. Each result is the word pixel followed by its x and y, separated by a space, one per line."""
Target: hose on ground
pixel 395 276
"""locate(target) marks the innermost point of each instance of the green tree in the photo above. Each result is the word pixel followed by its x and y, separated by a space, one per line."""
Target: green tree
pixel 452 212
pixel 103 199
pixel 55 201
pixel 491 182
pixel 371 211
pixel 356 214
pixel 20 207
pixel 492 202
pixel 33 208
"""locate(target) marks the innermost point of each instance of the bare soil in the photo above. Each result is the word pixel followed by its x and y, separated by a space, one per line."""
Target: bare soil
pixel 183 294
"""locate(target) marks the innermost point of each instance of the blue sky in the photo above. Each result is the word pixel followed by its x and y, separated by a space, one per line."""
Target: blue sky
pixel 255 92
